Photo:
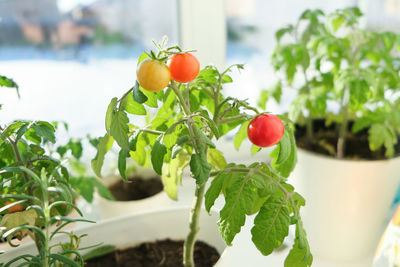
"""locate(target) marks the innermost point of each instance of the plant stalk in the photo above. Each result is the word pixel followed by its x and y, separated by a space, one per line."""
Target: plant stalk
pixel 188 247
pixel 341 144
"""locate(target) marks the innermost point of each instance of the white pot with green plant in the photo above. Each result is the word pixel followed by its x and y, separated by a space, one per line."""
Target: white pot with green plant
pixel 347 111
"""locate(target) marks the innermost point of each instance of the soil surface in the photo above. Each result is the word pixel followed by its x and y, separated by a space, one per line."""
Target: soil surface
pixel 165 253
pixel 136 188
pixel 325 142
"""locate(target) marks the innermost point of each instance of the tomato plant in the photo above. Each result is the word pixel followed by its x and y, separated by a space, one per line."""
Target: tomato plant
pixel 184 67
pixel 183 122
pixel 153 75
pixel 265 130
pixel 332 61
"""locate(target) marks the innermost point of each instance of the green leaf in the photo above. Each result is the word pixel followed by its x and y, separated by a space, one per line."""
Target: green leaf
pixel 7 82
pixel 214 190
pixel 133 107
pixel 380 134
pixel 133 140
pixel 199 167
pixel 241 135
pixel 271 225
pixel 255 149
pixel 139 155
pixel 138 95
pixel 263 99
pixel 151 99
pixel 205 139
pixel 157 155
pixel 142 58
pixel 105 143
pixel 99 251
pixel 119 129
pixel 216 158
pixel 64 259
pixel 211 124
pixel 285 148
pixel 102 189
pixel 286 162
pixel 45 130
pixel 298 257
pixel 11 129
pixel 172 175
pixel 123 154
pixel 238 201
pixel 110 112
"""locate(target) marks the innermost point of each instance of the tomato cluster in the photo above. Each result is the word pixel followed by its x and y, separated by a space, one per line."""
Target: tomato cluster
pixel 154 75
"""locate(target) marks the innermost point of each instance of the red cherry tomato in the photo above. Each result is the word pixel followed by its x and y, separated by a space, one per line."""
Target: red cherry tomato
pixel 265 130
pixel 153 75
pixel 184 67
pixel 15 208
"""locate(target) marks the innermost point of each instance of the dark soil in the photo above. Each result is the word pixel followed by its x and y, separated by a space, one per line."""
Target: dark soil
pixel 136 188
pixel 165 253
pixel 325 142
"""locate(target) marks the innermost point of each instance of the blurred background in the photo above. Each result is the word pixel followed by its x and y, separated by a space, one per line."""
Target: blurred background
pixel 70 57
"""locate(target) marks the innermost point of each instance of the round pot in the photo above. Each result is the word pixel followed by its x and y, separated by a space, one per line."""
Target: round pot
pixel 113 208
pixel 131 230
pixel 346 202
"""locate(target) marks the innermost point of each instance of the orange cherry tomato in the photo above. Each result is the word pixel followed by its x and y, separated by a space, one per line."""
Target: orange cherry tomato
pixel 184 67
pixel 153 75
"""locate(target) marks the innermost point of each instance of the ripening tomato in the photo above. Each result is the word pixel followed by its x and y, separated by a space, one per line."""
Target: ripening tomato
pixel 153 75
pixel 184 67
pixel 15 208
pixel 265 130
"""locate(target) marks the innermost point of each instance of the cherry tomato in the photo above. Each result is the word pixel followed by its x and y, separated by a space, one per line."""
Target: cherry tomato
pixel 153 75
pixel 184 67
pixel 15 208
pixel 265 130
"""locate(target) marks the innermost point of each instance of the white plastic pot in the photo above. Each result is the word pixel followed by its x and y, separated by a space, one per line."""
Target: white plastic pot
pixel 131 230
pixel 346 203
pixel 112 208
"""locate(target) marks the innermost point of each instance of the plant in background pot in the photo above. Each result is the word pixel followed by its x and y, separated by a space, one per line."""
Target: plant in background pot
pixel 347 112
pixel 192 112
pixel 35 192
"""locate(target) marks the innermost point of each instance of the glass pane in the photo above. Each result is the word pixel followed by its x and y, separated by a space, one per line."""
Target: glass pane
pixel 251 28
pixel 70 57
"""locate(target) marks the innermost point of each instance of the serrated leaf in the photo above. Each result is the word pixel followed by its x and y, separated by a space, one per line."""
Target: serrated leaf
pixel 119 129
pixel 211 124
pixel 11 129
pixel 238 201
pixel 380 134
pixel 122 155
pixel 45 130
pixel 138 95
pixel 271 225
pixel 214 190
pixel 105 143
pixel 241 135
pixel 110 112
pixel 199 167
pixel 157 155
pixel 216 158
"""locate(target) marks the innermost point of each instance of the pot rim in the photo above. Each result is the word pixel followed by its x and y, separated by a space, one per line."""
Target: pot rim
pixel 315 154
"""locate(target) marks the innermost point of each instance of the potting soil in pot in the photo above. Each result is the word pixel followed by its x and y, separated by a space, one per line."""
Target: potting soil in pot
pixel 325 140
pixel 136 188
pixel 165 253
